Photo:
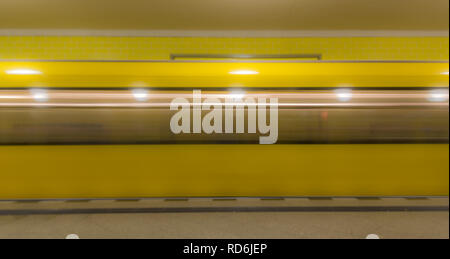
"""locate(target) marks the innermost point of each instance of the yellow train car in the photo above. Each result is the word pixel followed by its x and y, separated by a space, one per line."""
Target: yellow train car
pixel 106 129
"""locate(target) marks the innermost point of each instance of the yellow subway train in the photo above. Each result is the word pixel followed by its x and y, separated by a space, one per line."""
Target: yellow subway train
pixel 123 129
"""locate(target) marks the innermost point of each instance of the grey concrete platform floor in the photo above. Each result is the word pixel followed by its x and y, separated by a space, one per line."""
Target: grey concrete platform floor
pixel 48 223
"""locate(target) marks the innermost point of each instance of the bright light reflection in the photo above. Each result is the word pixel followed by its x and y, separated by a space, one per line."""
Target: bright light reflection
pixel 23 72
pixel 244 72
pixel 39 95
pixel 140 95
pixel 344 95
pixel 438 95
pixel 236 94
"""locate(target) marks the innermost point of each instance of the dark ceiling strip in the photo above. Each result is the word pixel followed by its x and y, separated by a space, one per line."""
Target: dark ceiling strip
pixel 225 61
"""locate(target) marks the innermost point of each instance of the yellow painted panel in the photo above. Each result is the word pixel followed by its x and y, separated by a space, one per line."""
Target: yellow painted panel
pixel 223 170
pixel 126 48
pixel 217 74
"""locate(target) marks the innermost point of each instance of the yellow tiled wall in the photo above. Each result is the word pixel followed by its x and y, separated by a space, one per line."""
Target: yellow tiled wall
pixel 123 48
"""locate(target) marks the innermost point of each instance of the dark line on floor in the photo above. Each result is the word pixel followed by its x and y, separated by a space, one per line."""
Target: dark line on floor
pixel 225 209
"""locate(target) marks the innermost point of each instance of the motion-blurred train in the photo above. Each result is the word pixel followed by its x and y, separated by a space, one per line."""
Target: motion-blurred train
pixel 102 129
